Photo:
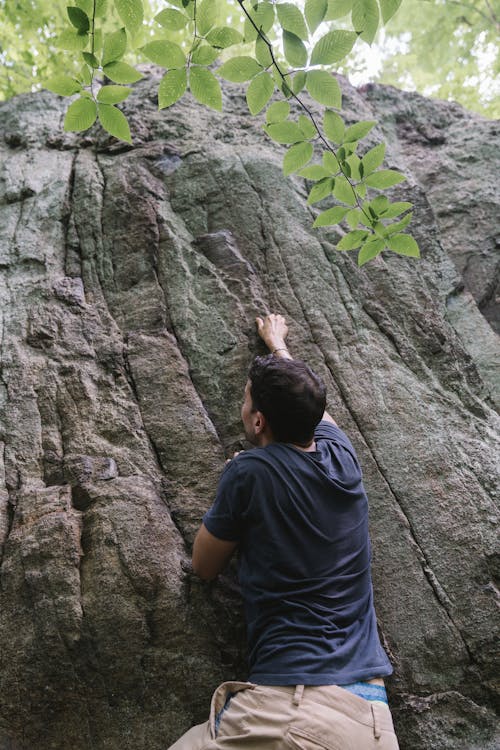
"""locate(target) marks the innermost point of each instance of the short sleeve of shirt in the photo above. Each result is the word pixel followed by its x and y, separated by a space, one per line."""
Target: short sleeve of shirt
pixel 225 518
pixel 342 445
pixel 328 431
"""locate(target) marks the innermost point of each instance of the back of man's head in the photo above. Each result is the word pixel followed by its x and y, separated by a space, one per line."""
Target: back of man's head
pixel 290 396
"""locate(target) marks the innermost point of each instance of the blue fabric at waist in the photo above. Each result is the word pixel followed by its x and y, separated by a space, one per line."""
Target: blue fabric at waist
pixel 367 690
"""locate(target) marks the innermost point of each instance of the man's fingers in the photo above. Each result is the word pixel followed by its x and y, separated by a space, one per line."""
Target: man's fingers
pixel 260 324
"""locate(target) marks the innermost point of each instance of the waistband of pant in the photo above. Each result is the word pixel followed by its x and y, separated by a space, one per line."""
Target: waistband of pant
pixel 367 712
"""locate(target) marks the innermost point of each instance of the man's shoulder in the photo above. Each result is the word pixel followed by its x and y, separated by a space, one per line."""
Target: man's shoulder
pixel 328 431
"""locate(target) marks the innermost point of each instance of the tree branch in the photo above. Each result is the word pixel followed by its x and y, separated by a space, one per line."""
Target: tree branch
pixel 303 106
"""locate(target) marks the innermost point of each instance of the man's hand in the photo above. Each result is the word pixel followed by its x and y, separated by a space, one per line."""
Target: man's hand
pixel 273 331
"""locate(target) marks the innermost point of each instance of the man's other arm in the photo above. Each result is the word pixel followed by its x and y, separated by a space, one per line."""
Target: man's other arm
pixel 210 554
pixel 273 331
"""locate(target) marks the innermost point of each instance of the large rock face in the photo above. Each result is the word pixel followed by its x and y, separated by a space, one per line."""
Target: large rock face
pixel 130 281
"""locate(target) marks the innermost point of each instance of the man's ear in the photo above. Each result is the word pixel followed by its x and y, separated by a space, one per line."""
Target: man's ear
pixel 259 423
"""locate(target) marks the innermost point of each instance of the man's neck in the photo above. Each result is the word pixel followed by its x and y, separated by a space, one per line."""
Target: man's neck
pixel 268 440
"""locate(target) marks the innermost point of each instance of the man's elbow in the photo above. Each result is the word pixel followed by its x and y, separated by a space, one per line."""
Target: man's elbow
pixel 202 571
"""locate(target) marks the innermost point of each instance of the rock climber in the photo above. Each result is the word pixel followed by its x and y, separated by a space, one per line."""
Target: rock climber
pixel 296 509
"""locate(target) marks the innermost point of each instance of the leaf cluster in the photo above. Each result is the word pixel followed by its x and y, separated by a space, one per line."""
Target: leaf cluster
pixel 286 50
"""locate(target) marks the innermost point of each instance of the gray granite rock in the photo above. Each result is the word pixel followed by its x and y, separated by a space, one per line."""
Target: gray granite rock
pixel 130 281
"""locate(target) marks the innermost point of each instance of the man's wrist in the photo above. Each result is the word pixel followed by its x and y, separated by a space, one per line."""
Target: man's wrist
pixel 275 344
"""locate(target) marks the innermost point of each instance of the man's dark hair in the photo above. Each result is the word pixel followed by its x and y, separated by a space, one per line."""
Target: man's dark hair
pixel 290 396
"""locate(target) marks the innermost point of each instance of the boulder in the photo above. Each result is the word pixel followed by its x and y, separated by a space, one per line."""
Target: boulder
pixel 131 278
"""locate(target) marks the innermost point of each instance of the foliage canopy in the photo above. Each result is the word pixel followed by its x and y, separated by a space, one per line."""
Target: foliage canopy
pixel 270 46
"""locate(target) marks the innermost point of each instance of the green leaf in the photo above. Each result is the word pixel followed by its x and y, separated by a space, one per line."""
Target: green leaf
pixel 365 18
pixel 172 87
pixel 296 157
pixel 263 53
pixel 81 115
pixel 314 172
pixel 239 69
pixel 294 49
pixel 114 122
pixel 223 37
pixel 299 81
pixel 259 91
pixel 85 75
pixel 378 205
pixel 338 9
pixel 388 8
pixel 90 59
pixel 284 132
pixel 72 40
pixel 131 13
pixel 205 88
pixel 385 178
pixel 333 126
pixel 98 42
pixel 404 244
pixel 63 85
pixel 398 226
pixel 101 7
pixel 164 53
pixel 263 17
pixel 115 45
pixel 353 217
pixel 330 162
pixel 333 47
pixel 88 7
pixel 331 216
pixel 394 209
pixel 370 250
pixel 352 240
pixel 321 190
pixel 343 191
pixel 354 163
pixel 113 94
pixel 291 19
pixel 78 18
pixel 361 190
pixel 121 72
pixel 359 130
pixel 277 112
pixel 204 55
pixel 373 159
pixel 315 11
pixel 172 19
pixel 307 127
pixel 324 88
pixel 206 16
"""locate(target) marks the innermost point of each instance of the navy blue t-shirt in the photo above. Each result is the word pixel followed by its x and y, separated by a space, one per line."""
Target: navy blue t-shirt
pixel 301 520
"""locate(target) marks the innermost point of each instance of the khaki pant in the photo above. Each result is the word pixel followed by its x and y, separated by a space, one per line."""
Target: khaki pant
pixel 258 717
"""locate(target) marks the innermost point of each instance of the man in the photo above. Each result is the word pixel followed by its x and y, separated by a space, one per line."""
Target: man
pixel 296 508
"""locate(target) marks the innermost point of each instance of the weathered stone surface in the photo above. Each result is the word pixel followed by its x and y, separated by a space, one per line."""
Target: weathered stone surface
pixel 130 282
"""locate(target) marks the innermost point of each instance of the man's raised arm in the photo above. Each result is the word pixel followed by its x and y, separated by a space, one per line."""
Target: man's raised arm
pixel 273 331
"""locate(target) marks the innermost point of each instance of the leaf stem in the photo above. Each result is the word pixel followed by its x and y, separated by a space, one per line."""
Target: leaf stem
pixel 92 33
